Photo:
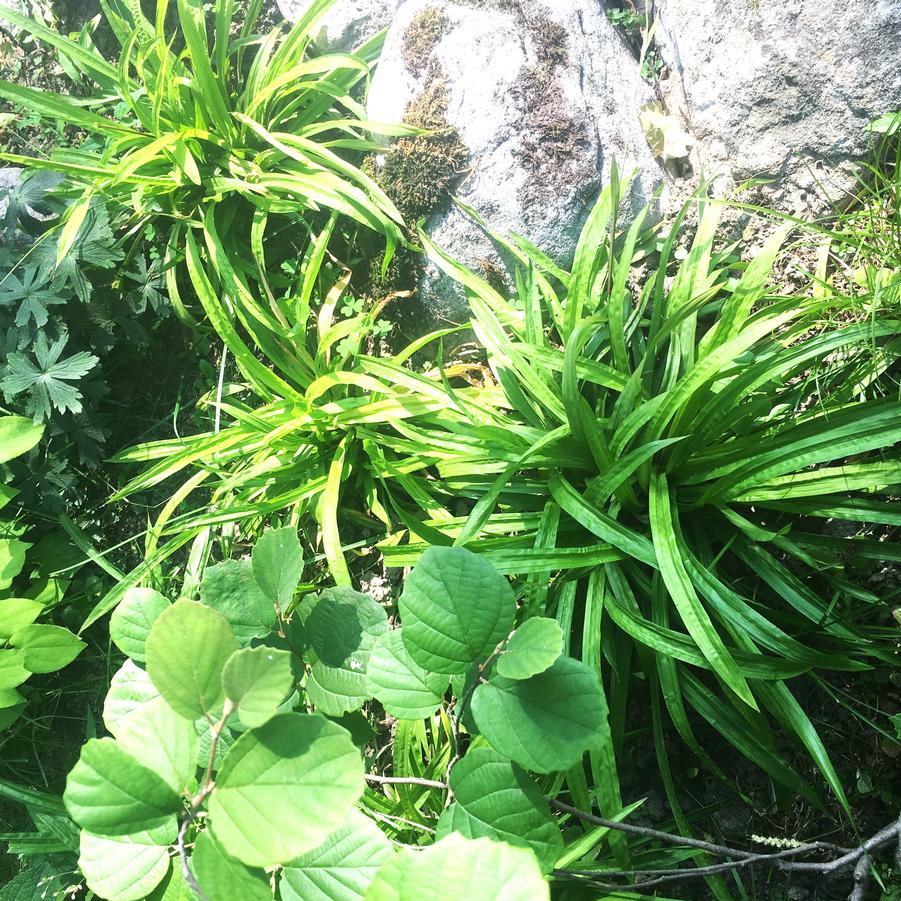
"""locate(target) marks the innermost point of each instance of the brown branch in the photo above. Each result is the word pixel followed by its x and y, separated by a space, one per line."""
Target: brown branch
pixel 190 817
pixel 206 788
pixel 740 858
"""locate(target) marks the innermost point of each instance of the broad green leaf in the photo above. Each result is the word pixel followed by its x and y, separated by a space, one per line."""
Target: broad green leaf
pixel 18 435
pixel 46 648
pixel 9 697
pixel 278 564
pixel 173 887
pixel 187 650
pixel 131 688
pixel 109 793
pixel 15 613
pixel 12 559
pixel 342 868
pixel 403 688
pixel 299 771
pixel 133 618
pixel 127 867
pixel 544 723
pixel 166 743
pixel 12 668
pixel 531 649
pixel 458 868
pixel 494 798
pixel 8 715
pixel 341 626
pixel 230 588
pixel 455 608
pixel 223 878
pixel 227 737
pixel 257 680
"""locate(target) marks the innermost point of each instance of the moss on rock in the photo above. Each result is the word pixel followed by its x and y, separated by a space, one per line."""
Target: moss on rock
pixel 421 38
pixel 419 171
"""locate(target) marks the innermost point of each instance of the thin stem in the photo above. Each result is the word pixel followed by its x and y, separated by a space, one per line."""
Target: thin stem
pixel 459 708
pixel 646 832
pixel 406 780
pixel 780 859
pixel 206 787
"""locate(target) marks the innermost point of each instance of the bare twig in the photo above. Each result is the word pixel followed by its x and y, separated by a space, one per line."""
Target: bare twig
pixel 861 879
pixel 189 818
pixel 646 832
pixel 392 820
pixel 781 860
pixel 460 706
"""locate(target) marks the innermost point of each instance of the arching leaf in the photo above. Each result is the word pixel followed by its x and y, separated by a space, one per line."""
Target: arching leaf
pixel 223 878
pixel 257 680
pixel 133 618
pixel 127 867
pixel 342 868
pixel 277 564
pixel 531 649
pixel 109 793
pixel 341 626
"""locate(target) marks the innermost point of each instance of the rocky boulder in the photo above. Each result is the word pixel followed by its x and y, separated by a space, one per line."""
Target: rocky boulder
pixel 780 90
pixel 10 179
pixel 347 24
pixel 535 100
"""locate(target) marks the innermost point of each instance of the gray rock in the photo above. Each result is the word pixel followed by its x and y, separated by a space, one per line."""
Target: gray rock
pixel 782 90
pixel 347 24
pixel 10 179
pixel 544 96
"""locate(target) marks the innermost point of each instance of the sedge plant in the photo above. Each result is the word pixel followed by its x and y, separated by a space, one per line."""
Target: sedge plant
pixel 659 473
